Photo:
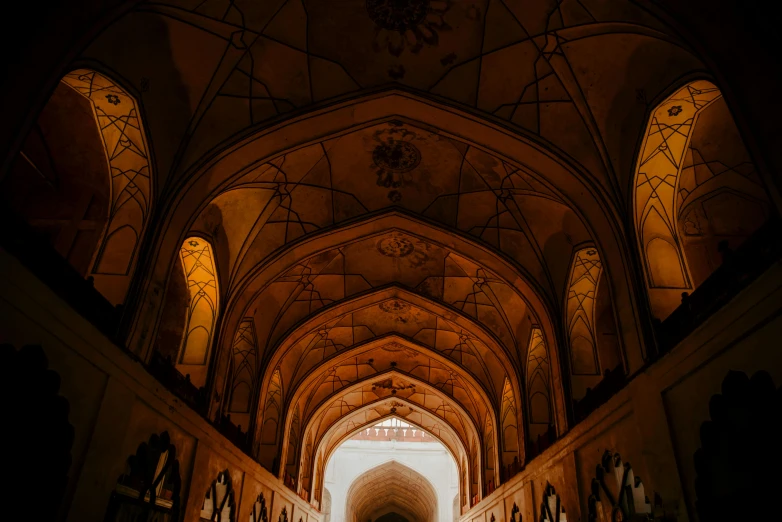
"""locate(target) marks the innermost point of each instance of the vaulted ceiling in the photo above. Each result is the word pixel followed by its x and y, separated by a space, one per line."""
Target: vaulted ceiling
pixel 400 197
pixel 576 74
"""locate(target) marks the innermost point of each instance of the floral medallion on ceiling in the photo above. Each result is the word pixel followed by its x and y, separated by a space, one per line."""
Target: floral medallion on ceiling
pixel 407 23
pixel 548 68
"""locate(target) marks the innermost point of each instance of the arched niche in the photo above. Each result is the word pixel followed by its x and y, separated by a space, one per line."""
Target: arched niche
pixel 696 193
pixel 83 180
pixel 192 309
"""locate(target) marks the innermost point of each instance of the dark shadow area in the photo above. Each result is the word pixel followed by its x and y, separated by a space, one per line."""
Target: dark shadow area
pixel 38 435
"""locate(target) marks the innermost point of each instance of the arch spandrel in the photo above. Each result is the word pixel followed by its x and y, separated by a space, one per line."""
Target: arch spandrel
pixel 455 336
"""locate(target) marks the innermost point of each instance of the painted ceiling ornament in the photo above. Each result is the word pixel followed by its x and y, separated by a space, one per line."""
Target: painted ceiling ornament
pixel 395 246
pixel 389 384
pixel 394 157
pixel 411 24
pixel 617 494
pixel 394 307
pixel 675 110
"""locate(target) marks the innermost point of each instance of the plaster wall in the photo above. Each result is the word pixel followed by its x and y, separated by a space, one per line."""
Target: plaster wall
pixel 115 405
pixel 356 457
pixel 653 422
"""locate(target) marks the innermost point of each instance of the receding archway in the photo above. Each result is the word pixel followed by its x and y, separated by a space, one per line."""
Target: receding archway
pixel 557 182
pixel 388 489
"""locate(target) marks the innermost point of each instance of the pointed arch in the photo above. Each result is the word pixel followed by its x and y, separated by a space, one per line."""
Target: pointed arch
pixel 695 185
pixel 538 386
pixel 391 487
pixel 489 457
pixel 272 413
pixel 244 378
pixel 510 429
pixel 117 115
pixel 292 453
pixel 198 263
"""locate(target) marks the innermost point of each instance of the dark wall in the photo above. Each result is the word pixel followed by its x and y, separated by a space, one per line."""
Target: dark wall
pixel 740 42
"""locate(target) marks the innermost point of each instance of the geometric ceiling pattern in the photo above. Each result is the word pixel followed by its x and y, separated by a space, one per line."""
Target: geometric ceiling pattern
pixel 535 66
pixel 395 165
pixel 431 263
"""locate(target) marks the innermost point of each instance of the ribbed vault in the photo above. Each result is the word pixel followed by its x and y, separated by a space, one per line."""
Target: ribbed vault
pixel 448 248
pixel 392 488
pixel 518 200
pixel 425 218
pixel 315 456
pixel 386 343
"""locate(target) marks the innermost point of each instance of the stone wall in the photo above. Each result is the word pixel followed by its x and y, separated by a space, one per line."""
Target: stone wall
pixel 115 405
pixel 654 423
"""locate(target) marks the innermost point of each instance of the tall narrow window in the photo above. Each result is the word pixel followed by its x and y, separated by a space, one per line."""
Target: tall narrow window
pixel 199 267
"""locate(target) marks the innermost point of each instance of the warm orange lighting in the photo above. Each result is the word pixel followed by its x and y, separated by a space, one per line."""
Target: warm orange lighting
pixel 121 129
pixel 198 264
pixel 657 178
